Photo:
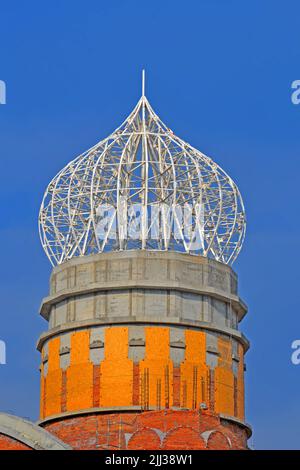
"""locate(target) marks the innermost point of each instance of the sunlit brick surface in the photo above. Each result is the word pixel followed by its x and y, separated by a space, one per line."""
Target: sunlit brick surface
pixel 154 382
pixel 150 430
pixel 9 443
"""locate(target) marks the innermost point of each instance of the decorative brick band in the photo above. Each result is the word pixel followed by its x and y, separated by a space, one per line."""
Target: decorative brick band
pixel 150 430
pixel 157 373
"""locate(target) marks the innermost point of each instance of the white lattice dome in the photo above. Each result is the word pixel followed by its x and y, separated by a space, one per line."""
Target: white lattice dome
pixel 142 168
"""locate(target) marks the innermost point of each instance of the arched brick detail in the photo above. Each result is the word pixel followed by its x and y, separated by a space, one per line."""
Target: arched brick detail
pixel 218 440
pixel 165 429
pixel 144 439
pixel 183 437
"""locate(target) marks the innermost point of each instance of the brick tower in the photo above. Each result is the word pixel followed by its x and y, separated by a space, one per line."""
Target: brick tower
pixel 143 349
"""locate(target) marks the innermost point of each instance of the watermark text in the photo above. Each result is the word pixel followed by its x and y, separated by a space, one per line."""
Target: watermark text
pixel 2 92
pixel 2 352
pixel 295 97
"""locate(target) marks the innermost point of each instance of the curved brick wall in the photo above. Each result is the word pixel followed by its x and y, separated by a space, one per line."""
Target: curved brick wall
pixel 20 434
pixel 190 430
pixel 9 443
pixel 146 366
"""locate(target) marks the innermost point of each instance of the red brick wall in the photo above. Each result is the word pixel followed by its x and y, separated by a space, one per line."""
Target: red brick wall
pixel 9 443
pixel 165 429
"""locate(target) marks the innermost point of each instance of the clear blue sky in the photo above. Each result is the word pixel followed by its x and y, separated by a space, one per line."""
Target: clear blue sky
pixel 219 73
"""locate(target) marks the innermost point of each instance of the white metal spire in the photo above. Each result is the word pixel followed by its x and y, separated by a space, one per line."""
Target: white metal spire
pixel 142 163
pixel 143 82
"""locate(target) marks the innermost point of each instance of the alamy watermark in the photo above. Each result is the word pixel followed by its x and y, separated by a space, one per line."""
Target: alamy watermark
pixel 151 222
pixel 295 96
pixel 2 343
pixel 2 92
pixel 295 357
pixel 2 352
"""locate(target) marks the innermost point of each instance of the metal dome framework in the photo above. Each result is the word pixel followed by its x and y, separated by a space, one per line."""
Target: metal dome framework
pixel 142 163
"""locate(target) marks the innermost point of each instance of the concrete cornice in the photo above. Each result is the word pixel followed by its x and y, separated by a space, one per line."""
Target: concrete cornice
pixel 237 421
pixel 132 409
pixel 29 433
pixel 146 254
pixel 51 300
pixel 236 334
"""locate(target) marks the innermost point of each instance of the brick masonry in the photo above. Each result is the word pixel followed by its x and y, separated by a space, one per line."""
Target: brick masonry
pixel 165 429
pixel 161 378
pixel 9 443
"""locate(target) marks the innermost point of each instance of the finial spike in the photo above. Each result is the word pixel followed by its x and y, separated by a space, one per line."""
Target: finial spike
pixel 143 82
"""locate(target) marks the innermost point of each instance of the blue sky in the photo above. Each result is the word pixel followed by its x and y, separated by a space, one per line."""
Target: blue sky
pixel 219 74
